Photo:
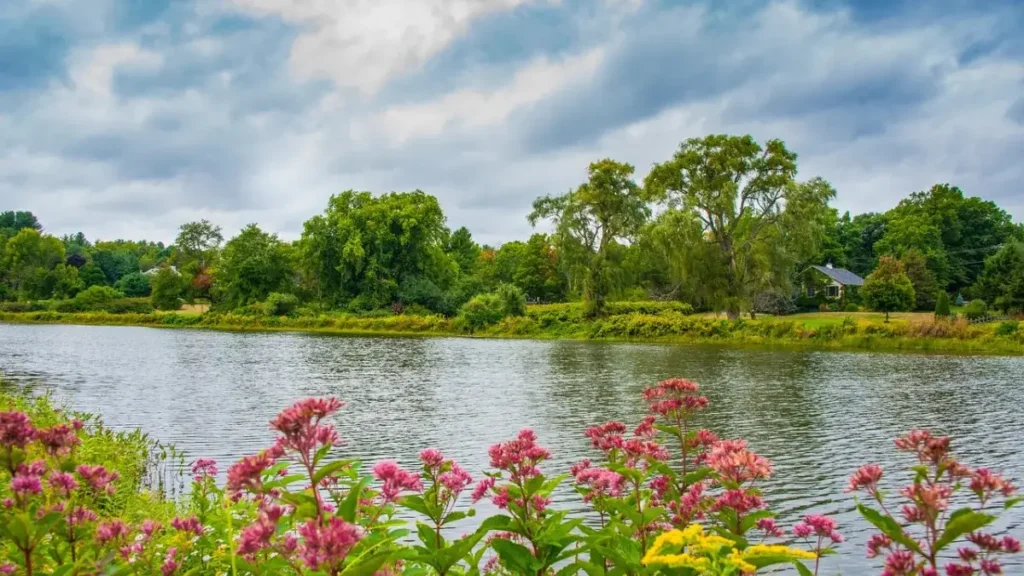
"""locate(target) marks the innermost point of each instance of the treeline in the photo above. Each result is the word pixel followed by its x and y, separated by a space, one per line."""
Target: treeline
pixel 722 225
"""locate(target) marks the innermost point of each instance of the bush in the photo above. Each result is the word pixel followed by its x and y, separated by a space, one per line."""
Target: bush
pixel 482 310
pixel 774 302
pixel 976 309
pixel 278 304
pixel 852 308
pixel 20 307
pixel 513 300
pixel 134 285
pixel 1008 328
pixel 95 296
pixel 166 290
pixel 942 305
pixel 128 306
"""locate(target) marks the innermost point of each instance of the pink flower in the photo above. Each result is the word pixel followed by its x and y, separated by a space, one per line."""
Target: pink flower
pixel 866 477
pixel 325 547
pixel 301 428
pixel 646 428
pixel 247 473
pixel 189 524
pixel 97 477
pixel 984 483
pixel 36 468
pixel 24 485
pixel 149 527
pixel 607 436
pixel 690 505
pixel 501 497
pixel 63 483
pixel 928 448
pixel 739 500
pixel 58 440
pixel 170 564
pixel 107 531
pixel 877 543
pixel 395 480
pixel 81 515
pixel 821 526
pixel 482 488
pixel 582 465
pixel 7 568
pixel 769 527
pixel 520 457
pixel 255 537
pixel 15 429
pixel 734 463
pixel 899 563
pixel 600 482
pixel 204 468
pixel 432 458
pixel 455 480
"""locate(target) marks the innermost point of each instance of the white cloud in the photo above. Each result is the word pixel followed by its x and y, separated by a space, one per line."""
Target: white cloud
pixel 364 43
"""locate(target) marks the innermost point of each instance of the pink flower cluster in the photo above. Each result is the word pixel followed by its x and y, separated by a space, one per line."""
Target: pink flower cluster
pixel 820 526
pixel 735 464
pixel 395 479
pixel 675 398
pixel 204 468
pixel 301 428
pixel 98 478
pixel 597 482
pixel 16 430
pixel 520 457
pixel 326 546
pixel 58 440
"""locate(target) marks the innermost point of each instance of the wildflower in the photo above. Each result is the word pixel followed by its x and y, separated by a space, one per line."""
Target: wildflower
pixel 255 537
pixel 866 477
pixel 899 563
pixel 959 570
pixel 247 473
pixel 519 456
pixel 300 425
pixel 327 546
pixel 58 440
pixel 189 524
pixel 607 436
pixel 821 526
pixel 81 515
pixel 877 543
pixel 455 480
pixel 7 568
pixel 742 501
pixel 112 530
pixel 24 485
pixel 646 428
pixel 929 448
pixel 36 468
pixel 580 466
pixel 15 429
pixel 769 527
pixel 984 483
pixel 98 478
pixel 204 468
pixel 63 483
pixel 735 464
pixel 689 507
pixel 432 458
pixel 149 527
pixel 482 488
pixel 395 480
pixel 777 550
pixel 170 564
pixel 600 482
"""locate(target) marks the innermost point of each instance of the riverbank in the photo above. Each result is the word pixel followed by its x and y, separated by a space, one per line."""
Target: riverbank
pixel 836 331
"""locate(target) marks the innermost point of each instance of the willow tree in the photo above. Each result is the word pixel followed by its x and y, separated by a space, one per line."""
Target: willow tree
pixel 609 207
pixel 736 220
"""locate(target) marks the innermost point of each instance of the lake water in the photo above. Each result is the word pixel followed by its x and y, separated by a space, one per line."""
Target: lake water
pixel 817 415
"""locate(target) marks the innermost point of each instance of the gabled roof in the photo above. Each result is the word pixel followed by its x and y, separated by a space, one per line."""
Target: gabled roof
pixel 841 275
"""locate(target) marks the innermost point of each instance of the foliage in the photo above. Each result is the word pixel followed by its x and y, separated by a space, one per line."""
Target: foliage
pixel 608 208
pixel 888 289
pixel 134 285
pixel 774 302
pixel 166 288
pixel 1008 328
pixel 278 304
pixel 12 222
pixel 482 310
pixel 736 218
pixel 925 287
pixel 942 305
pixel 976 309
pixel 513 301
pixel 91 275
pixel 253 265
pixel 1002 281
pixel 197 244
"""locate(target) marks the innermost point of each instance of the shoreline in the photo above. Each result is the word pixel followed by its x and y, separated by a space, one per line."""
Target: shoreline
pixel 436 327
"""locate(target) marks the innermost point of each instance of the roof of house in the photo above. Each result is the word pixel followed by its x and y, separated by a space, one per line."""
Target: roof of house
pixel 841 275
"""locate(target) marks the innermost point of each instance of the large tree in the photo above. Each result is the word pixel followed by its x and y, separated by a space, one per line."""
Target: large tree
pixel 589 220
pixel 27 259
pixel 736 218
pixel 15 221
pixel 197 244
pixel 1002 282
pixel 254 264
pixel 888 289
pixel 926 289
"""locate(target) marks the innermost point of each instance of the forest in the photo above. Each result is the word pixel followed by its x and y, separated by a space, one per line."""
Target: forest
pixel 723 225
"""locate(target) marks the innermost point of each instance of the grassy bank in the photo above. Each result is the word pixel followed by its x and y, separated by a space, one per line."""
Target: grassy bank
pixel 646 322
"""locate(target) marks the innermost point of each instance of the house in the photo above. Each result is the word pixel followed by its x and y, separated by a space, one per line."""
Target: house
pixel 830 280
pixel 153 271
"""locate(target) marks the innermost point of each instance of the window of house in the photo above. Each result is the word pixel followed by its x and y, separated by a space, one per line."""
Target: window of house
pixel 810 291
pixel 833 291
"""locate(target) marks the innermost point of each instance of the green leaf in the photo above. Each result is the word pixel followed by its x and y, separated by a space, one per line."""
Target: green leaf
pixel 889 527
pixel 367 566
pixel 963 521
pixel 751 519
pixel 348 507
pixel 416 504
pixel 428 536
pixel 499 523
pixel 696 476
pixel 328 470
pixel 515 557
pixel 1011 502
pixel 803 570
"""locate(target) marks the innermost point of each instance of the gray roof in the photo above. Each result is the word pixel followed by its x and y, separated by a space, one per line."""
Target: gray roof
pixel 841 275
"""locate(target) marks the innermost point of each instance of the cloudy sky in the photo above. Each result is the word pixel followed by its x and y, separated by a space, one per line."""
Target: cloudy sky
pixel 125 118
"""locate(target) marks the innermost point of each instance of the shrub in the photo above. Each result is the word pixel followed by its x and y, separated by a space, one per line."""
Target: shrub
pixel 95 296
pixel 482 310
pixel 976 309
pixel 1008 328
pixel 21 307
pixel 942 305
pixel 774 302
pixel 128 306
pixel 851 307
pixel 167 286
pixel 513 300
pixel 134 285
pixel 278 304
pixel 888 289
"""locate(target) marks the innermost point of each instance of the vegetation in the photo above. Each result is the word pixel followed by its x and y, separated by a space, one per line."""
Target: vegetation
pixel 942 306
pixel 721 226
pixel 670 497
pixel 888 288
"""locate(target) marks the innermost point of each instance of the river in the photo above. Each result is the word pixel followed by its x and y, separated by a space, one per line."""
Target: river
pixel 816 415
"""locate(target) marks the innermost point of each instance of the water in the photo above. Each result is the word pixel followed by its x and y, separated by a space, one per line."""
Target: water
pixel 817 415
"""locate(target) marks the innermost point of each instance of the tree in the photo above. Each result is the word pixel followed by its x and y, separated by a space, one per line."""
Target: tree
pixel 736 219
pixel 925 287
pixel 134 285
pixel 115 261
pixel 166 289
pixel 942 305
pixel 18 221
pixel 92 275
pixel 888 289
pixel 197 244
pixel 588 220
pixel 1002 281
pixel 253 264
pixel 65 281
pixel 463 250
pixel 27 258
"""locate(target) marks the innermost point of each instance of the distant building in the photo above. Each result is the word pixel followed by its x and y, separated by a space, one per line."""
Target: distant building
pixel 830 280
pixel 153 271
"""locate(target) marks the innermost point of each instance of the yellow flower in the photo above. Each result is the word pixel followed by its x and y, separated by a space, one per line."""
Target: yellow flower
pixel 778 550
pixel 736 559
pixel 680 561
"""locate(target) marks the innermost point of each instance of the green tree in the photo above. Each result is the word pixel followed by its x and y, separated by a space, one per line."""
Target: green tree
pixel 92 275
pixel 463 250
pixel 942 305
pixel 115 260
pixel 1002 281
pixel 736 219
pixel 16 221
pixel 134 285
pixel 925 287
pixel 253 264
pixel 166 289
pixel 197 244
pixel 888 289
pixel 27 259
pixel 513 300
pixel 590 219
pixel 65 280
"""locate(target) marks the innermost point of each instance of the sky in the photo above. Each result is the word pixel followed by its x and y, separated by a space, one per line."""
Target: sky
pixel 126 118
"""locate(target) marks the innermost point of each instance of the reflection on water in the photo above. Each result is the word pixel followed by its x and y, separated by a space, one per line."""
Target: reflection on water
pixel 817 415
